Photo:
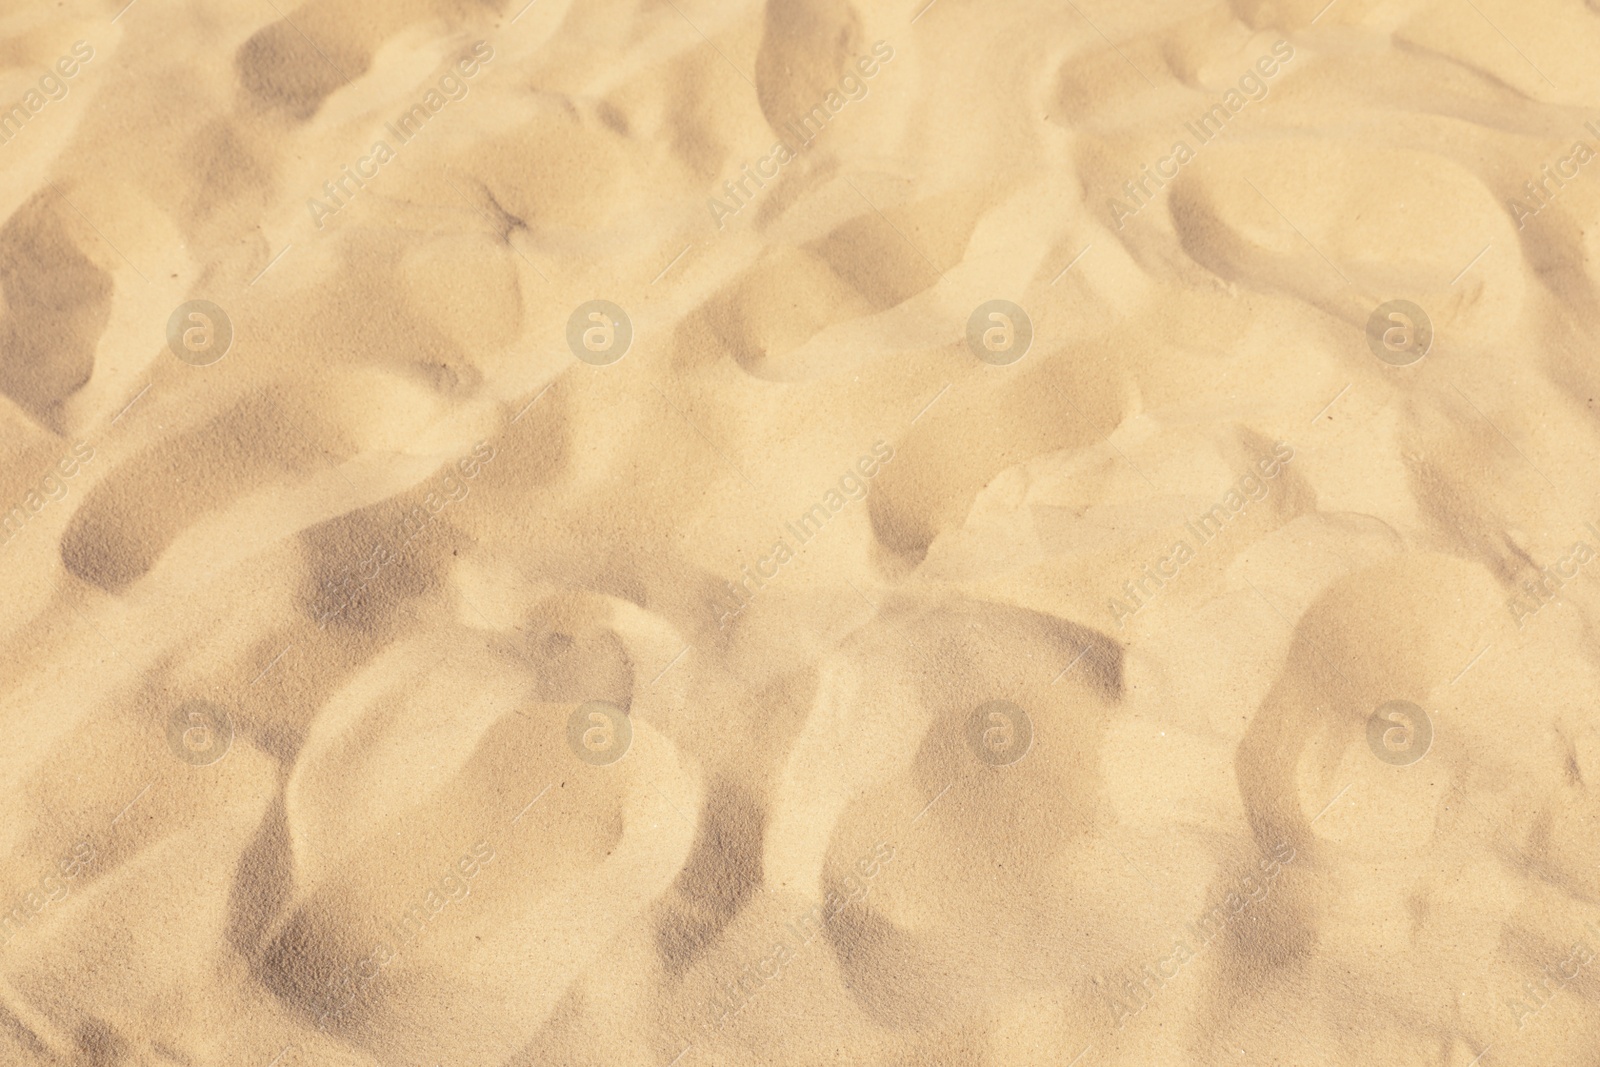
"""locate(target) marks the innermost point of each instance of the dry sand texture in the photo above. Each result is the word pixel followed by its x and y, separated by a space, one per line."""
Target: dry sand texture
pixel 708 533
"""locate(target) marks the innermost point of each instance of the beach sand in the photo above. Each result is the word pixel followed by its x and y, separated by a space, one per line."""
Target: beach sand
pixel 698 533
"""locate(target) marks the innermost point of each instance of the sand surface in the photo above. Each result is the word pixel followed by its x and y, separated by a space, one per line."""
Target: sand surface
pixel 684 532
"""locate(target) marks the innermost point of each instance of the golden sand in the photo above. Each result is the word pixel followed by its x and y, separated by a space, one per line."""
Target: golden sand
pixel 693 533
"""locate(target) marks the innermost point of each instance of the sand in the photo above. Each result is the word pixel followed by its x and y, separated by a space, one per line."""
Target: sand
pixel 693 533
